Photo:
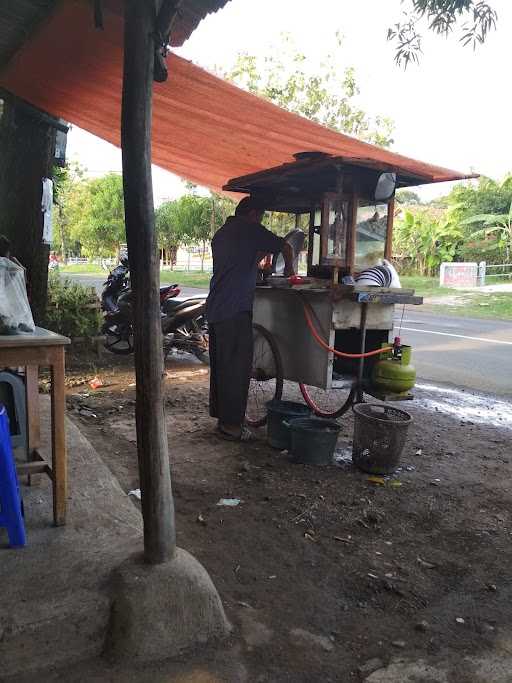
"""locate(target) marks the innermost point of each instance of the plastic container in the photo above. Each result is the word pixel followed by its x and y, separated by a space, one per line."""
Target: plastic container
pixel 11 508
pixel 380 432
pixel 313 440
pixel 278 411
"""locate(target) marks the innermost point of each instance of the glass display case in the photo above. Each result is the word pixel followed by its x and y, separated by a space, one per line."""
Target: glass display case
pixel 371 234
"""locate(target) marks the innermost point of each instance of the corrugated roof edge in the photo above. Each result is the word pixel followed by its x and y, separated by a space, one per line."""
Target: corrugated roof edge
pixel 192 13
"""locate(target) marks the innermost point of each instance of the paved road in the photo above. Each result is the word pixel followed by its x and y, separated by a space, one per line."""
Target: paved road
pixel 97 282
pixel 466 352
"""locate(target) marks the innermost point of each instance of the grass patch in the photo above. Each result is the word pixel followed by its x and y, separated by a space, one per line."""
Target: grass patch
pixel 426 286
pixel 192 278
pixel 472 304
pixel 186 278
pixel 498 306
pixel 89 268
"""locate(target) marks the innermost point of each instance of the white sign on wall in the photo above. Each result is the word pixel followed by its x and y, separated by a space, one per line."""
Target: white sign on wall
pixel 458 275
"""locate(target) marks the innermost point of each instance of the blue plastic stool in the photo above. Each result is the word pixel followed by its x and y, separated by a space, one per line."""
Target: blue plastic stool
pixel 11 512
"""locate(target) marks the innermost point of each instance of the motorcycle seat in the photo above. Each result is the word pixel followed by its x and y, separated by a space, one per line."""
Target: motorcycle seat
pixel 167 288
pixel 173 307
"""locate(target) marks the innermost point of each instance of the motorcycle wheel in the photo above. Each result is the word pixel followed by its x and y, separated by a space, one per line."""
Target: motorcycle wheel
pixel 203 356
pixel 201 327
pixel 266 376
pixel 118 340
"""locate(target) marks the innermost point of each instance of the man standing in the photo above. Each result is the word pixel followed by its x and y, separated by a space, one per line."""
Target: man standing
pixel 237 247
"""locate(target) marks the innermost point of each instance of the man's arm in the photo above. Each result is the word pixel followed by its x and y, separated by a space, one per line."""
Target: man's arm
pixel 287 252
pixel 270 243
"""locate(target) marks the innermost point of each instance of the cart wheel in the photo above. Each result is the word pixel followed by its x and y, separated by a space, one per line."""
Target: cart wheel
pixel 266 377
pixel 330 403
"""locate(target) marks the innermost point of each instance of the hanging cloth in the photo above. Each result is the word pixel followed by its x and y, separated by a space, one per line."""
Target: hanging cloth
pixel 46 208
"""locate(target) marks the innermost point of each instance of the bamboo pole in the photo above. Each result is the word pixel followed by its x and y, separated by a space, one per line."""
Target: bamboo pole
pixel 152 448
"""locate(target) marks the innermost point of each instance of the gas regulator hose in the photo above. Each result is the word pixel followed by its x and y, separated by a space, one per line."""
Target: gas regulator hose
pixel 323 344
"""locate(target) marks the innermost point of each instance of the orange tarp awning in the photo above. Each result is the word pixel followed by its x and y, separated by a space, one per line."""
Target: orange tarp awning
pixel 204 129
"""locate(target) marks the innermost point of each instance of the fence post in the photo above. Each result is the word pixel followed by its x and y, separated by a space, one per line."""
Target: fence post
pixel 482 266
pixel 442 274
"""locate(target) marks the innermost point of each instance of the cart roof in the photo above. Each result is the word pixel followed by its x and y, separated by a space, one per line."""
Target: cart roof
pixel 204 129
pixel 298 185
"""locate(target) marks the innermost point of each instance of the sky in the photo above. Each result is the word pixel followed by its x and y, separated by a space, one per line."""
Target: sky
pixel 452 110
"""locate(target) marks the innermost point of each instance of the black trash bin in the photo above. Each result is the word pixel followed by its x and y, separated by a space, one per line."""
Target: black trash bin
pixel 380 432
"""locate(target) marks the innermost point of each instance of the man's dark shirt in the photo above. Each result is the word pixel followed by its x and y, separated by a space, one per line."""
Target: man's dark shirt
pixel 235 250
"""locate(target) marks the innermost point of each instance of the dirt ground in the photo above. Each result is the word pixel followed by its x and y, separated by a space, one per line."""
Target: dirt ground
pixel 321 570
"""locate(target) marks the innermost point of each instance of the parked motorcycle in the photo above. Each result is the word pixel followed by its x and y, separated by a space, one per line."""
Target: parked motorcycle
pixel 118 282
pixel 184 326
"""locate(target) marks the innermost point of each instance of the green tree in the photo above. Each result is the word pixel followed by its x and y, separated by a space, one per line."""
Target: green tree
pixel 325 95
pixel 224 207
pixel 66 180
pixel 487 196
pixel 96 214
pixel 498 224
pixel 199 218
pixel 169 230
pixel 482 210
pixel 407 197
pixel 476 18
pixel 191 219
pixel 427 238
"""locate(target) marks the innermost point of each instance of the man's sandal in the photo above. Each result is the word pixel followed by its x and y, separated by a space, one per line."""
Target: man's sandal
pixel 244 436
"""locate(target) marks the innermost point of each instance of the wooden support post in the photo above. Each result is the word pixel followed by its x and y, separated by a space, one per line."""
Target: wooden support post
pixel 33 416
pixel 352 234
pixel 388 250
pixel 152 449
pixel 27 141
pixel 59 460
pixel 360 372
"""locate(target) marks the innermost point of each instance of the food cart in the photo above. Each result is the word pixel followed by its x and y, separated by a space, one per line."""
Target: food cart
pixel 317 331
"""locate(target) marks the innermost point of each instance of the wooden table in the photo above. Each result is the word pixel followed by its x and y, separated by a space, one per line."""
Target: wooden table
pixel 42 349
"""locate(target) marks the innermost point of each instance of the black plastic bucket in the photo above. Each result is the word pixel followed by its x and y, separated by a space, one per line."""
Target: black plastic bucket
pixel 313 440
pixel 380 432
pixel 279 411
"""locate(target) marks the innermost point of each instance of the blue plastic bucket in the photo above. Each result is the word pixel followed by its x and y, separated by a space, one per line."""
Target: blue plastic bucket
pixel 313 440
pixel 283 411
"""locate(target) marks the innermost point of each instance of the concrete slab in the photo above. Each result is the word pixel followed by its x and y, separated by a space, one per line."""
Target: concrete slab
pixel 55 604
pixel 162 611
pixel 491 667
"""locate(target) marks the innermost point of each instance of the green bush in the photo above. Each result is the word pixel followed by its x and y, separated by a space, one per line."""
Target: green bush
pixel 69 310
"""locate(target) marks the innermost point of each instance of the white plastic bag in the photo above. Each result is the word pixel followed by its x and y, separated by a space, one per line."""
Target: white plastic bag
pixel 395 280
pixel 15 314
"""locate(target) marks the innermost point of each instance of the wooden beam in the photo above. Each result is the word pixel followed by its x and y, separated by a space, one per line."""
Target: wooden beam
pixel 36 113
pixel 388 249
pixel 152 448
pixel 169 11
pixel 351 233
pixel 31 468
pixel 311 238
pixel 324 228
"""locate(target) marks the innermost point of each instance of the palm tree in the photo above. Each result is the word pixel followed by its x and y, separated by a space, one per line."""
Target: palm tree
pixel 499 224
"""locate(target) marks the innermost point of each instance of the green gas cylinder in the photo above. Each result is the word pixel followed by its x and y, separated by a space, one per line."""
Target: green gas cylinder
pixel 394 372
